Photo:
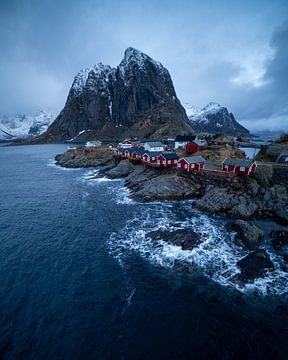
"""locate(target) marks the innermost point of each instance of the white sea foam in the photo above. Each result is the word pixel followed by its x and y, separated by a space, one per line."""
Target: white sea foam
pixel 216 256
pixel 52 163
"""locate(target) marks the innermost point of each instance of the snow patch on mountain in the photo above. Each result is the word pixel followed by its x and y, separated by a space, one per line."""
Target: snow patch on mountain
pixel 86 78
pixel 24 126
pixel 134 58
pixel 214 118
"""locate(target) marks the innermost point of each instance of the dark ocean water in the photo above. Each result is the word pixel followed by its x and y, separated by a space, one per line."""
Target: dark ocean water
pixel 78 280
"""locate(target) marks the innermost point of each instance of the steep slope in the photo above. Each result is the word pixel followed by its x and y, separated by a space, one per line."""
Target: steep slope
pixel 24 126
pixel 137 98
pixel 214 118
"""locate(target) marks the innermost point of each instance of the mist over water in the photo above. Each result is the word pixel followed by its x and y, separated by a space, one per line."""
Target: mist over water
pixel 79 279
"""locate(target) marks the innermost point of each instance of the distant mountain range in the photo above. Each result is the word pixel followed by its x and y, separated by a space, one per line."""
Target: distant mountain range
pixel 137 98
pixel 214 118
pixel 24 126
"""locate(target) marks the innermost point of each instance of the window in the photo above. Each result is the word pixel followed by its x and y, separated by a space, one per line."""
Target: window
pixel 242 168
pixel 158 162
pixel 178 165
pixel 169 162
pixel 153 157
pixel 193 165
pixel 164 162
pixel 185 166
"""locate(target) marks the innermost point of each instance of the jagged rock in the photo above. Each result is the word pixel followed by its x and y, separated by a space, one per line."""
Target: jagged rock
pixel 244 210
pixel 214 118
pixel 279 238
pixel 249 234
pixel 186 238
pixel 216 199
pixel 135 99
pixel 166 187
pixel 254 265
pixel 123 169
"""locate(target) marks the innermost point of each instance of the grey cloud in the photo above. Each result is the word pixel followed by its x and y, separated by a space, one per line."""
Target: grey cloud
pixel 45 43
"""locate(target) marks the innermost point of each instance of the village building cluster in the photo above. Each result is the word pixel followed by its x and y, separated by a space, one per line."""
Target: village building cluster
pixel 160 155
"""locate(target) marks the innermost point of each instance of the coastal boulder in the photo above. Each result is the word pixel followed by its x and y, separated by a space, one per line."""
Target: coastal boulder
pixel 279 238
pixel 215 200
pixel 166 187
pixel 123 169
pixel 249 234
pixel 254 265
pixel 187 239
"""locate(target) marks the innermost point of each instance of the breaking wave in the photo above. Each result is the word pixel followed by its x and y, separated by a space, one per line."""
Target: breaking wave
pixel 215 257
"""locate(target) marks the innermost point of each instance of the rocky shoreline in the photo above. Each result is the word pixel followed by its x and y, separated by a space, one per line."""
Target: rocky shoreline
pixel 263 195
pixel 240 198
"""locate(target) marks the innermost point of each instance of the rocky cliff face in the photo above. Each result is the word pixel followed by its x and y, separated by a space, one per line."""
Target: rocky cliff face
pixel 137 98
pixel 214 118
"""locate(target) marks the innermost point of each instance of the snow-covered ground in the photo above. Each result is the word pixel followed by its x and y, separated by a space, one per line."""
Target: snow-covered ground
pixel 23 126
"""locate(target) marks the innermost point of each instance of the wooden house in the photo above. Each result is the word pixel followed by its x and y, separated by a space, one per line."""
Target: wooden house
pixel 182 140
pixel 191 163
pixel 239 166
pixel 152 146
pixel 167 159
pixel 150 157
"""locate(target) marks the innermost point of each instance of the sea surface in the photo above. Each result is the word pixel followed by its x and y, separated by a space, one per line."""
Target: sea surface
pixel 79 279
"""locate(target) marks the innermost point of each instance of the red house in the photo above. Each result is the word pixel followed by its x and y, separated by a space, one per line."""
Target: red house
pixel 87 151
pixel 150 158
pixel 167 159
pixel 121 152
pixel 191 148
pixel 192 163
pixel 239 166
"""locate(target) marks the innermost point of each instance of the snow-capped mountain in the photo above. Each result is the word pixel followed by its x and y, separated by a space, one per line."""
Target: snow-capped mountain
pixel 24 126
pixel 214 118
pixel 137 98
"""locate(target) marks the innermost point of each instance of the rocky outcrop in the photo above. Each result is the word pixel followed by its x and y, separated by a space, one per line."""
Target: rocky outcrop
pixel 249 234
pixel 254 265
pixel 235 196
pixel 216 119
pixel 135 99
pixel 123 169
pixel 74 158
pixel 187 239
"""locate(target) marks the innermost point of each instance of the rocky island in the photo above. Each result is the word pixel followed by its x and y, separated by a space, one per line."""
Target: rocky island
pixel 137 100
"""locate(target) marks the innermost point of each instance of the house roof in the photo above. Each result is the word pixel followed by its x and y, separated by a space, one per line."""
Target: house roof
pixel 139 151
pixel 153 153
pixel 185 137
pixel 131 149
pixel 194 159
pixel 170 155
pixel 155 144
pixel 238 162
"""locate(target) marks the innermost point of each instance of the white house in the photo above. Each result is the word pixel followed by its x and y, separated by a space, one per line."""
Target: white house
pixel 154 146
pixel 182 140
pixel 93 143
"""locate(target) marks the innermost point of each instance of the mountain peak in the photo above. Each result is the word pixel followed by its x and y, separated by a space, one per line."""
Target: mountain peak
pixel 214 118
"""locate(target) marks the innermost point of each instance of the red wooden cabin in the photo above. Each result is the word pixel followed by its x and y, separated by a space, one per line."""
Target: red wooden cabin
pixel 150 158
pixel 168 159
pixel 192 163
pixel 191 148
pixel 239 166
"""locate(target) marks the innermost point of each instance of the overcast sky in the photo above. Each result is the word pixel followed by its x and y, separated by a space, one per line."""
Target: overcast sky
pixel 231 52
